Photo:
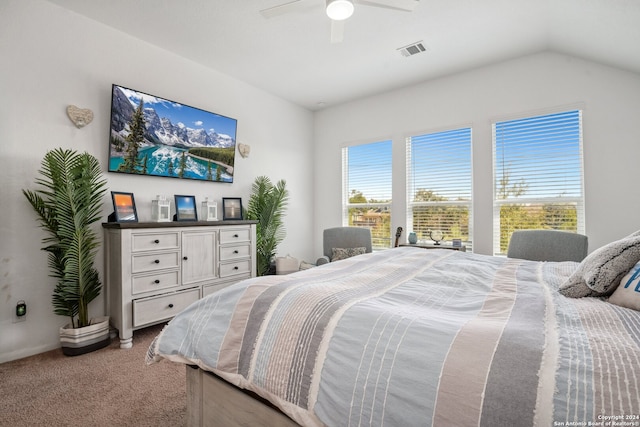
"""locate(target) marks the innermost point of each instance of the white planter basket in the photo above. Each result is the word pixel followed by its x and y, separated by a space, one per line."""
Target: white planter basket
pixel 85 340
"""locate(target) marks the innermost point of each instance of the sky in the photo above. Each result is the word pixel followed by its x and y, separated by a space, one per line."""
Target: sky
pixel 191 117
pixel 370 170
pixel 543 151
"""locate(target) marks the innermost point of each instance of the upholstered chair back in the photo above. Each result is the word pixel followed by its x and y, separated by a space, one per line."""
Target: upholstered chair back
pixel 344 237
pixel 547 245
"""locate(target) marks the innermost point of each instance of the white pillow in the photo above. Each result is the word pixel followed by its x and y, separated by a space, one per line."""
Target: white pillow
pixel 627 294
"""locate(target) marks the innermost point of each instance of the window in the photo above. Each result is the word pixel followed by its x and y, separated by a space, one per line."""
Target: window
pixel 366 190
pixel 538 177
pixel 439 184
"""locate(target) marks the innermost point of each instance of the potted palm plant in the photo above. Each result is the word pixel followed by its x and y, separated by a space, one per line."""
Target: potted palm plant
pixel 266 205
pixel 67 203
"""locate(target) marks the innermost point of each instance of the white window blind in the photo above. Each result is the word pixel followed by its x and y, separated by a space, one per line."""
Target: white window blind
pixel 366 189
pixel 439 184
pixel 538 175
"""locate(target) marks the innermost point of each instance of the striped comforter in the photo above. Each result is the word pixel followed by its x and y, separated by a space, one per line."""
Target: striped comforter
pixel 409 337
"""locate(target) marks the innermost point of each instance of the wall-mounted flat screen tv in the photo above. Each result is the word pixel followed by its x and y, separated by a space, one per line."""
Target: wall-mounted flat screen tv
pixel 158 137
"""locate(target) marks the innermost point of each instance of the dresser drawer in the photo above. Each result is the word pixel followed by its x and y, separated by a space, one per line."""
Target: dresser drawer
pixel 233 268
pixel 153 262
pixel 156 309
pixel 154 282
pixel 228 253
pixel 234 236
pixel 154 241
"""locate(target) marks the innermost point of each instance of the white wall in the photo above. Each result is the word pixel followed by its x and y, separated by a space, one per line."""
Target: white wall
pixel 530 85
pixel 52 58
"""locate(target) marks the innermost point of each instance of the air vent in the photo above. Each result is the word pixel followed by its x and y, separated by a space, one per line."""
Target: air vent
pixel 412 49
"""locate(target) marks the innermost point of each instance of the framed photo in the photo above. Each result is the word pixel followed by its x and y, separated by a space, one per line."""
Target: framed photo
pixel 186 208
pixel 231 208
pixel 124 207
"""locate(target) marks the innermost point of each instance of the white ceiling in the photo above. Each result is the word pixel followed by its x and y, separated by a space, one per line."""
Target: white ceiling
pixel 291 56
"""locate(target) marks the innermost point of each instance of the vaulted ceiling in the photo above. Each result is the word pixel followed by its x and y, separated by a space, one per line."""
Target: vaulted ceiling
pixel 292 56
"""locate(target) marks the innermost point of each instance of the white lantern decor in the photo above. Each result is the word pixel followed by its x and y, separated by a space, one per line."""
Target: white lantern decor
pixel 161 209
pixel 209 211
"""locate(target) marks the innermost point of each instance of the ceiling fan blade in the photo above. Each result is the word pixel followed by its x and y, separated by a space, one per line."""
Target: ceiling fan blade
pixel 337 31
pixel 282 9
pixel 405 5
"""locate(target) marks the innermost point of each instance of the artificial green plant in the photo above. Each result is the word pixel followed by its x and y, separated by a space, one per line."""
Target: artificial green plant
pixel 68 201
pixel 267 204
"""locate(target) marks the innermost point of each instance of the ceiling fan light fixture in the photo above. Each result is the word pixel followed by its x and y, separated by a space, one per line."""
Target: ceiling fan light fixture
pixel 339 10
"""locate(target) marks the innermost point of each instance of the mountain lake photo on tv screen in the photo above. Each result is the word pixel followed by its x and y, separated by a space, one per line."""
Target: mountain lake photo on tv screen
pixel 158 137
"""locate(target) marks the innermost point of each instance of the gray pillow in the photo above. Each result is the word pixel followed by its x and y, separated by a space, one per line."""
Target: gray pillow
pixel 600 272
pixel 344 253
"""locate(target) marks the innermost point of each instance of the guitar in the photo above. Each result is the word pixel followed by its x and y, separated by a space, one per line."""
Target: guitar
pixel 398 233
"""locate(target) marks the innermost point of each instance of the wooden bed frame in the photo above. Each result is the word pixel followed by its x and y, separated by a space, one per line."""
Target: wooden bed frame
pixel 213 402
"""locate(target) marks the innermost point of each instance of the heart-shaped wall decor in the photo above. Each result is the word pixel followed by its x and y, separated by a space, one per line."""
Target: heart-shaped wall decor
pixel 244 149
pixel 79 116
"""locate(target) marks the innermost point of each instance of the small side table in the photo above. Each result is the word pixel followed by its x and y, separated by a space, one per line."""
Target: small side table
pixel 462 248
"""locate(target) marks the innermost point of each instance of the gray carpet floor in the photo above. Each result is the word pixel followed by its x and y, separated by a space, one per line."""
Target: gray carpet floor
pixel 108 387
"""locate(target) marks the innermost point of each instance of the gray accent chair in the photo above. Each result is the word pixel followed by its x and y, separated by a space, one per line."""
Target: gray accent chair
pixel 547 245
pixel 344 237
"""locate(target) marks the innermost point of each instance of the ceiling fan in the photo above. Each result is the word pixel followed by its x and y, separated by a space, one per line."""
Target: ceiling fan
pixel 338 11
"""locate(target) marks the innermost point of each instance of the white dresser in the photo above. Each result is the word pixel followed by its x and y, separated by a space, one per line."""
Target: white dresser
pixel 155 270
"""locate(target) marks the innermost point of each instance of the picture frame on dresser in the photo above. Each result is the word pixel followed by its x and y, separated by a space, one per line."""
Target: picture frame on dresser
pixel 124 207
pixel 231 208
pixel 186 208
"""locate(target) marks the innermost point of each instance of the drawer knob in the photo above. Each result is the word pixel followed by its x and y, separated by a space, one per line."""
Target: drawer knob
pixel 170 305
pixel 235 268
pixel 156 281
pixel 185 258
pixel 156 241
pixel 235 235
pixel 235 252
pixel 157 261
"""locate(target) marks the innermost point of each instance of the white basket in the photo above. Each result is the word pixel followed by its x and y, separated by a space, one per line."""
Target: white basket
pixel 286 265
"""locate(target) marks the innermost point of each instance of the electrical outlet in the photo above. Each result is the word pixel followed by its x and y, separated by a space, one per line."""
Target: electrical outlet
pixel 20 307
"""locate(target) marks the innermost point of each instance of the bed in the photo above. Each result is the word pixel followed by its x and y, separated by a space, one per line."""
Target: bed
pixel 408 337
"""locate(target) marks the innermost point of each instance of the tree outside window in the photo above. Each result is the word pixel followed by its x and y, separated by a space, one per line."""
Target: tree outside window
pixel 367 190
pixel 439 184
pixel 538 175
